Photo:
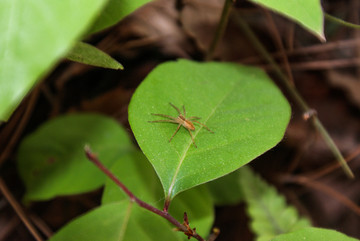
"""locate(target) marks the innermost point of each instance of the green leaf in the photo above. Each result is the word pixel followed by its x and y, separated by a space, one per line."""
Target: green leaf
pixel 121 221
pixel 226 190
pixel 34 35
pixel 135 171
pixel 52 162
pixel 307 13
pixel 268 210
pixel 314 234
pixel 88 54
pixel 139 177
pixel 240 104
pixel 114 11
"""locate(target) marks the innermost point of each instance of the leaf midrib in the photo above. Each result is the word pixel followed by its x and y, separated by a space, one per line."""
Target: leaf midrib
pixel 182 158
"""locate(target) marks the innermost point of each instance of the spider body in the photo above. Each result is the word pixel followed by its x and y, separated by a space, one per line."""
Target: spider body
pixel 181 120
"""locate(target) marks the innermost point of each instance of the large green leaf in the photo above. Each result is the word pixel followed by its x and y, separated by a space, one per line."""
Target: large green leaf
pixel 137 174
pixel 268 210
pixel 240 104
pixel 51 161
pixel 120 221
pixel 314 234
pixel 114 11
pixel 307 13
pixel 34 35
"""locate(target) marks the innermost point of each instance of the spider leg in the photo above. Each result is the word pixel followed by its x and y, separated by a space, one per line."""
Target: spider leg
pixel 207 128
pixel 177 129
pixel 194 118
pixel 166 116
pixel 170 121
pixel 184 110
pixel 192 138
pixel 177 109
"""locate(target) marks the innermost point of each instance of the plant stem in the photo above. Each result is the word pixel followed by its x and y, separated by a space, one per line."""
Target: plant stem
pixel 295 95
pixel 19 210
pixel 220 29
pixel 93 158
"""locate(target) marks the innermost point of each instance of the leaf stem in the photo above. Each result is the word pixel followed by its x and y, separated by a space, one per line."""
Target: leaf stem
pixel 295 95
pixel 220 29
pixel 93 158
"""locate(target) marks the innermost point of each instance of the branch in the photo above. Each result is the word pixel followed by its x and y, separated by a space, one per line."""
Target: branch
pixel 180 227
pixel 296 96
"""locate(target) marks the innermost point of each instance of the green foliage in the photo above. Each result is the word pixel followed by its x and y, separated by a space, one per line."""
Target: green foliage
pixel 114 11
pixel 126 221
pixel 119 221
pixel 51 161
pixel 240 104
pixel 314 234
pixel 226 190
pixel 268 210
pixel 34 35
pixel 88 54
pixel 135 171
pixel 308 13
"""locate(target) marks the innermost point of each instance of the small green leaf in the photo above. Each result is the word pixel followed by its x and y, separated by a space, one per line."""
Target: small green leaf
pixel 34 35
pixel 240 104
pixel 139 177
pixel 114 11
pixel 52 162
pixel 121 221
pixel 307 13
pixel 268 210
pixel 136 173
pixel 314 234
pixel 88 54
pixel 226 190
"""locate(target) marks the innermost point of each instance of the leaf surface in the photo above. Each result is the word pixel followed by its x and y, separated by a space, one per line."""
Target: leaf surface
pixel 135 171
pixel 120 221
pixel 316 234
pixel 34 35
pixel 114 11
pixel 307 13
pixel 88 54
pixel 52 162
pixel 240 104
pixel 268 210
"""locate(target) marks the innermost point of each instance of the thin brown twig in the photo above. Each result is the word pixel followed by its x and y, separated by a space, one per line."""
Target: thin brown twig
pixel 324 189
pixel 277 39
pixel 220 29
pixel 92 157
pixel 22 124
pixel 330 168
pixel 295 95
pixel 19 211
pixel 313 49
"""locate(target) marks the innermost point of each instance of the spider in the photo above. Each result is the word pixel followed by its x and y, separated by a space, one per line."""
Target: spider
pixel 182 121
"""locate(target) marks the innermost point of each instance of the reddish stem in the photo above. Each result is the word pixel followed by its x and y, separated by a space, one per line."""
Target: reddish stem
pixel 93 158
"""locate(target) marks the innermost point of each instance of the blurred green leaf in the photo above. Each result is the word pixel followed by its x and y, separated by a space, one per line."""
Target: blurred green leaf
pixel 88 54
pixel 268 210
pixel 52 162
pixel 114 11
pixel 119 221
pixel 240 104
pixel 307 13
pixel 314 234
pixel 135 171
pixel 226 190
pixel 34 35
